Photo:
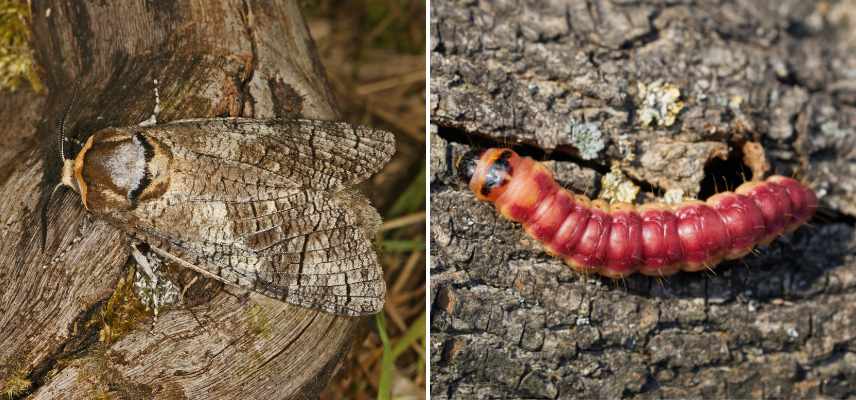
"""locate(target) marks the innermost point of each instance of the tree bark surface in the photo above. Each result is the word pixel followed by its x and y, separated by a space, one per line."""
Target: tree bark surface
pixel 211 58
pixel 557 79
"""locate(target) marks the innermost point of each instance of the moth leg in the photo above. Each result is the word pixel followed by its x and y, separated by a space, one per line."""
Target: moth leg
pixel 151 285
pixel 243 297
pixel 187 286
pixel 153 119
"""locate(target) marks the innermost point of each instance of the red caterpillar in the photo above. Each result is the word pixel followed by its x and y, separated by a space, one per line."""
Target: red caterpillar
pixel 619 239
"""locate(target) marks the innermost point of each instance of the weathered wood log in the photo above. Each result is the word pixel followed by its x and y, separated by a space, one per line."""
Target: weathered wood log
pixel 664 90
pixel 67 332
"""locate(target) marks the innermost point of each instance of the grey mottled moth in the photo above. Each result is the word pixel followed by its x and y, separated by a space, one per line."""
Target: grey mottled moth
pixel 261 204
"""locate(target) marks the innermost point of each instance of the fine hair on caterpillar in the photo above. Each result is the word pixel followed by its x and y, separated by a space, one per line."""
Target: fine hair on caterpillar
pixel 616 240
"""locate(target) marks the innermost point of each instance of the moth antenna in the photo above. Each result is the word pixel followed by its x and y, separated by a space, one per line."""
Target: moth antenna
pixel 43 217
pixel 61 123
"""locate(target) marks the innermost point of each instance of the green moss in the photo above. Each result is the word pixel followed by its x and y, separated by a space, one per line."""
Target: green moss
pixel 258 322
pixel 101 395
pixel 16 384
pixel 16 57
pixel 122 313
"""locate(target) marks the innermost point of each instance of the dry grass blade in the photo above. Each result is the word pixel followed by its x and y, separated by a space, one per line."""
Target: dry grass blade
pixel 374 54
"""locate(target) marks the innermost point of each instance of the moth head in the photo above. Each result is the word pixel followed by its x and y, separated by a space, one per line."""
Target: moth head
pixel 64 151
pixel 67 177
pixel 67 165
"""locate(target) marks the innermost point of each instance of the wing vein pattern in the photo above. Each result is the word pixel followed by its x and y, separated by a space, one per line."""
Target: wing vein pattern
pixel 268 205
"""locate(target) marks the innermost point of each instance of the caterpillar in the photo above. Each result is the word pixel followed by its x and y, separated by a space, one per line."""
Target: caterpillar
pixel 616 240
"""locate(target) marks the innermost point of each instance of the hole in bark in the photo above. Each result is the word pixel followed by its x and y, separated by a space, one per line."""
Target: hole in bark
pixel 724 175
pixel 798 29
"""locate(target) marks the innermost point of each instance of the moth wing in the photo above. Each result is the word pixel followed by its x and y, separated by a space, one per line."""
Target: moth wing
pixel 263 205
pixel 311 249
pixel 321 255
pixel 317 154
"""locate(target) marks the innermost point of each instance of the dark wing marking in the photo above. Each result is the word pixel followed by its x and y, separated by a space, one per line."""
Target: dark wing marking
pixel 323 155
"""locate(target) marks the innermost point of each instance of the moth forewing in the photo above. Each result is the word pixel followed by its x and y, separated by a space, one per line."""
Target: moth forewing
pixel 261 204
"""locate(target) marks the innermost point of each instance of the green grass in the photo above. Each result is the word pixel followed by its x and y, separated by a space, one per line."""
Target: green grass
pixel 412 199
pixel 414 334
pixel 396 28
pixel 403 246
pixel 402 240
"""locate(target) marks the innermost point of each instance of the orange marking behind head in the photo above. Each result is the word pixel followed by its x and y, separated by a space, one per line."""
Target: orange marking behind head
pixel 78 169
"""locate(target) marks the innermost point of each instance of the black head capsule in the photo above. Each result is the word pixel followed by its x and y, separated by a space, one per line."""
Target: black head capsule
pixel 468 163
pixel 499 172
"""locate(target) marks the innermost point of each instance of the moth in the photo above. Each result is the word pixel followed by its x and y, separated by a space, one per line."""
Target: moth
pixel 616 240
pixel 266 205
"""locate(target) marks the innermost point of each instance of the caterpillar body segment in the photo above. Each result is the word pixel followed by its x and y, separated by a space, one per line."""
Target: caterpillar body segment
pixel 620 239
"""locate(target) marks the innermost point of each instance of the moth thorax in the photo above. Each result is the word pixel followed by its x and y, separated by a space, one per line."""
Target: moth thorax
pixel 116 169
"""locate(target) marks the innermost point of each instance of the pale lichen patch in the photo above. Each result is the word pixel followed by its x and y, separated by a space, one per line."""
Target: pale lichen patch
pixel 659 103
pixel 617 187
pixel 587 138
pixel 151 285
pixel 674 196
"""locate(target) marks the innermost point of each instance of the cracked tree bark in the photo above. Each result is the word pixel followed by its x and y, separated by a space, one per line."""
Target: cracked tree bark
pixel 212 58
pixel 510 321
